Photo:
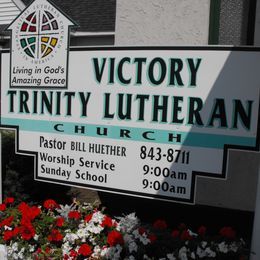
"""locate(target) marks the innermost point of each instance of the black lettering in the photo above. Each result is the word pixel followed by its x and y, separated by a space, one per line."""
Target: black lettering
pixel 46 102
pixel 160 108
pixel 120 71
pixel 241 113
pixel 196 104
pixel 12 93
pixel 125 133
pixel 176 110
pixel 141 99
pixel 69 96
pixel 57 127
pixel 162 69
pixel 127 114
pixel 84 101
pixel 107 114
pixel 24 96
pixel 99 71
pixel 139 69
pixel 219 112
pixel 176 66
pixel 193 71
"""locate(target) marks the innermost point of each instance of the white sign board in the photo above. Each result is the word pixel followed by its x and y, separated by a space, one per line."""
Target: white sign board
pixel 140 121
pixel 39 47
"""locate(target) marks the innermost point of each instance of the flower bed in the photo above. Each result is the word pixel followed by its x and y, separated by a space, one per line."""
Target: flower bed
pixel 83 231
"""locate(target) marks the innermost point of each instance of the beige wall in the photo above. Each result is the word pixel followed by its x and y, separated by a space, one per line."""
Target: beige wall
pixel 162 22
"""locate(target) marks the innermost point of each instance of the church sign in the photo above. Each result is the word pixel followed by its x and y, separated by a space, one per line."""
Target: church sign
pixel 142 121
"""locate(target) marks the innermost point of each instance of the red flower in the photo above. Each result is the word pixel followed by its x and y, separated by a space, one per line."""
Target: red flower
pixel 160 224
pixel 27 231
pixel 2 207
pixel 9 200
pixel 55 236
pixel 8 234
pixel 175 233
pixel 23 207
pixel 152 237
pixel 107 222
pixel 59 221
pixel 114 237
pixel 38 251
pixel 50 204
pixel 74 214
pixel 16 231
pixel 73 253
pixel 28 213
pixel 185 235
pixel 7 221
pixel 202 231
pixel 228 232
pixel 34 212
pixel 182 226
pixel 88 217
pixel 141 230
pixel 85 250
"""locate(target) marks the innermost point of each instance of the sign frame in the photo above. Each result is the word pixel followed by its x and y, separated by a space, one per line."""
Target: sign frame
pixel 195 174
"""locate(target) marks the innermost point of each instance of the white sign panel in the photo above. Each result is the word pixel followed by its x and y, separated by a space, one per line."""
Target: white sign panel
pixel 141 121
pixel 39 47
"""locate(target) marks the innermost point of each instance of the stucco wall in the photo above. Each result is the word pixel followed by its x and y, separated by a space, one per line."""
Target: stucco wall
pixel 162 22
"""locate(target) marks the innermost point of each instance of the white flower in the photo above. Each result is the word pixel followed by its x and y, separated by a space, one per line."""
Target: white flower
pixel 209 252
pixel 200 252
pixel 171 257
pixel 64 210
pixel 7 228
pixel 97 217
pixel 82 233
pixel 192 255
pixel 31 248
pixel 96 252
pixel 66 248
pixel 192 234
pixel 112 253
pixel 132 247
pixel 183 253
pixel 15 246
pixel 128 223
pixel 20 254
pixel 89 206
pixel 223 247
pixel 70 237
pixel 36 237
pixel 93 228
pixel 142 238
pixel 104 251
pixel 233 247
pixel 128 238
pixel 204 244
